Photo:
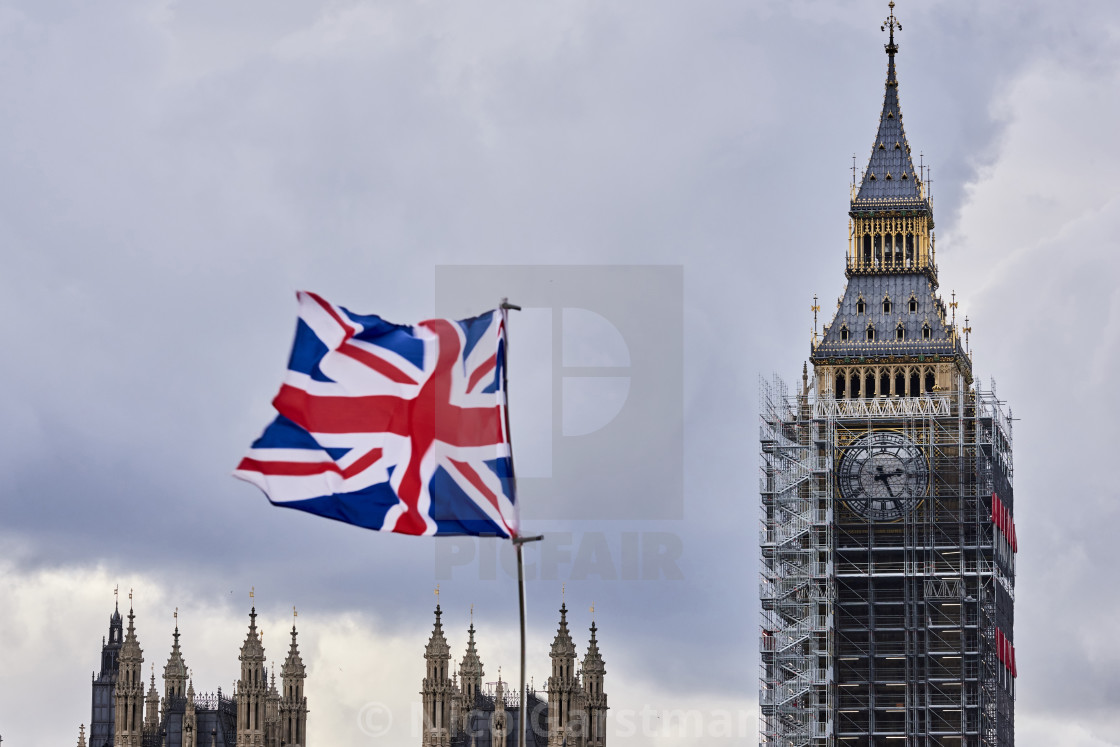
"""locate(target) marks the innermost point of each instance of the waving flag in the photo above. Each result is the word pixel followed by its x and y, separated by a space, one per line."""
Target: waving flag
pixel 390 427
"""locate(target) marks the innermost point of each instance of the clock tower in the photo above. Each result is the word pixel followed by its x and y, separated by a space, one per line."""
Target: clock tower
pixel 888 540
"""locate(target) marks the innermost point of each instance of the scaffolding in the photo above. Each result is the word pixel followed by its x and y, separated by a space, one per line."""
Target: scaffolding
pixel 885 630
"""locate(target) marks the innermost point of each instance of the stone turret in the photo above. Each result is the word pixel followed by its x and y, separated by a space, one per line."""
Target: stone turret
pixel 563 688
pixel 151 706
pixel 82 736
pixel 252 688
pixel 293 702
pixel 272 711
pixel 103 715
pixel 437 691
pixel 190 719
pixel 128 730
pixel 594 698
pixel 174 672
pixel 470 677
pixel 499 722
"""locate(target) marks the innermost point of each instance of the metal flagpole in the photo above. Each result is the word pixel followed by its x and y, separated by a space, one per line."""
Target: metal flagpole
pixel 522 721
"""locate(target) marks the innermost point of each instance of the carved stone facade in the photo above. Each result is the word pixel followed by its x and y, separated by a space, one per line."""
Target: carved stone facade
pixel 256 715
pixel 462 710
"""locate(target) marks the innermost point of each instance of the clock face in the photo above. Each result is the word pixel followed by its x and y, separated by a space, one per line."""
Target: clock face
pixel 882 475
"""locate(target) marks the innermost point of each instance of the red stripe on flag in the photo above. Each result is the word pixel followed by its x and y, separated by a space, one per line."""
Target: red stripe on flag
pixel 373 414
pixel 303 469
pixel 369 360
pixel 349 329
pixel 481 371
pixel 288 469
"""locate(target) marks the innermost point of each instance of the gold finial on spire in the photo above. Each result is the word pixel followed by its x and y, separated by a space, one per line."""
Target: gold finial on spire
pixel 295 614
pixel 592 612
pixel 116 593
pixel 437 593
pixel 967 331
pixel 563 593
pixel 891 24
pixel 953 306
pixel 252 592
pixel 472 613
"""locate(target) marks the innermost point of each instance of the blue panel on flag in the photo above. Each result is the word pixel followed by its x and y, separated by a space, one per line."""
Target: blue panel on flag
pixel 473 329
pixel 503 468
pixel 282 433
pixel 365 508
pixel 457 513
pixel 398 338
pixel 307 352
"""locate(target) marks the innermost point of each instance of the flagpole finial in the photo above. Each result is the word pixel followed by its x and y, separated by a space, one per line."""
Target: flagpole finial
pixel 472 615
pixel 437 593
pixel 252 592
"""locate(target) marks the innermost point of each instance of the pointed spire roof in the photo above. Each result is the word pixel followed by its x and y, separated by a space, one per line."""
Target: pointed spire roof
pixel 471 664
pixel 593 662
pixel 563 645
pixel 82 731
pixel 437 647
pixel 252 648
pixel 176 668
pixel 130 648
pixel 889 181
pixel 293 665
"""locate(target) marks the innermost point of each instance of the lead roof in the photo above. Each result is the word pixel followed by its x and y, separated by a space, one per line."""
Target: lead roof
pixel 889 180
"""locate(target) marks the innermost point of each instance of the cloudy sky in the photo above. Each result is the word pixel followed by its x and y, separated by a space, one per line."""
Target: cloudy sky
pixel 172 172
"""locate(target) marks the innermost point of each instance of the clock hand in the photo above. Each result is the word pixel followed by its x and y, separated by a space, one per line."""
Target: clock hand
pixel 884 478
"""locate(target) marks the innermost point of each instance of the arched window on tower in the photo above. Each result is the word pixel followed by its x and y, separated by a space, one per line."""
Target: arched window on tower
pixel 915 383
pixel 899 383
pixel 877 254
pixel 867 250
pixel 870 333
pixel 913 305
pixel 854 390
pixel 909 250
pixel 884 383
pixel 900 332
pixel 888 240
pixel 930 382
pixel 898 250
pixel 843 332
pixel 887 305
pixel 927 333
pixel 860 306
pixel 841 385
pixel 869 384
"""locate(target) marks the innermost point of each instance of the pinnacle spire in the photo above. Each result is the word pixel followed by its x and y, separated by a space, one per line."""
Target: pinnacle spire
pixel 890 180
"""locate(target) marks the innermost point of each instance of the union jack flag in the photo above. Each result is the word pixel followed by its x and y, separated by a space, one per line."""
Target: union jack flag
pixel 391 427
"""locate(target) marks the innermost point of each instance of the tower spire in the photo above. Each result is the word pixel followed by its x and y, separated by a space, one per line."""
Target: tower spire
pixel 890 180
